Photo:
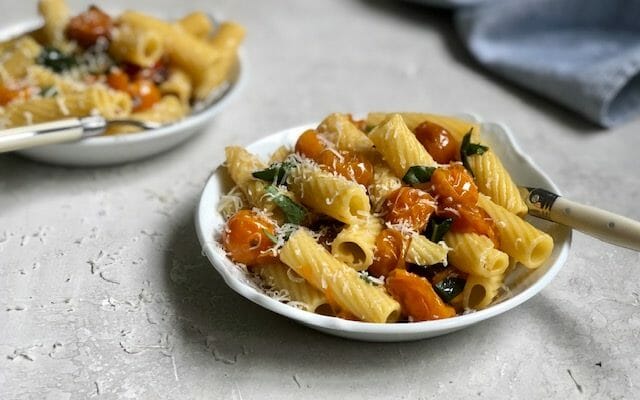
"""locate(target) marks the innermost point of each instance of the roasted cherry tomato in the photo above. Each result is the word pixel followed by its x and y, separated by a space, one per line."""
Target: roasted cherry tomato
pixel 87 27
pixel 352 166
pixel 388 254
pixel 157 73
pixel 144 93
pixel 438 141
pixel 453 185
pixel 473 219
pixel 416 296
pixel 310 145
pixel 8 94
pixel 245 238
pixel 408 205
pixel 118 79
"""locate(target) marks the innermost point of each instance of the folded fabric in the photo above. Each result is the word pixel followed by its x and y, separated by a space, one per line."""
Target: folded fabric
pixel 584 54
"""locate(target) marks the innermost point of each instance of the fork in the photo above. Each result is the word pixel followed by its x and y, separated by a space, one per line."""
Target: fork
pixel 61 131
pixel 601 224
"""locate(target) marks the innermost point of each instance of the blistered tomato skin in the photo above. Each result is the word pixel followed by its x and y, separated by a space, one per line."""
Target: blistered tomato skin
pixel 438 141
pixel 245 238
pixel 352 166
pixel 388 254
pixel 416 296
pixel 475 220
pixel 87 27
pixel 457 196
pixel 310 145
pixel 144 94
pixel 118 79
pixel 410 206
pixel 454 185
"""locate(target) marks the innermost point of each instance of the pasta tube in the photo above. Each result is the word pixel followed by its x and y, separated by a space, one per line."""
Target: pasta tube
pixel 355 244
pixel 345 134
pixel 422 251
pixel 340 283
pixel 457 127
pixel 329 194
pixel 399 146
pixel 518 238
pixel 197 23
pixel 109 103
pixel 189 53
pixel 282 278
pixel 479 291
pixel 475 254
pixel 56 15
pixel 384 182
pixel 494 180
pixel 226 40
pixel 142 47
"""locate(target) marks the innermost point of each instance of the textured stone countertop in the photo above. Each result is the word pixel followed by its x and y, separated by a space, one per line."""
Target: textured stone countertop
pixel 104 292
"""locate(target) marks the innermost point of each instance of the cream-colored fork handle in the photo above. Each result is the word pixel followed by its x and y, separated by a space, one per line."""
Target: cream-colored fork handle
pixel 604 225
pixel 65 130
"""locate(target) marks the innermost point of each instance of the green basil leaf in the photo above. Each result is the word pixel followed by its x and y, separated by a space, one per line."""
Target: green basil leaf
pixel 268 234
pixel 437 228
pixel 469 149
pixel 418 174
pixel 293 212
pixel 56 60
pixel 275 173
pixel 449 287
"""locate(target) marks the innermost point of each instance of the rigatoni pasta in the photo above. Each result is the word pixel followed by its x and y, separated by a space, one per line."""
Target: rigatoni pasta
pixel 150 61
pixel 384 226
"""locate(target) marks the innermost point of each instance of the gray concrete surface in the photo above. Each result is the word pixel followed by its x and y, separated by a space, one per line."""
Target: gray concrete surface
pixel 104 292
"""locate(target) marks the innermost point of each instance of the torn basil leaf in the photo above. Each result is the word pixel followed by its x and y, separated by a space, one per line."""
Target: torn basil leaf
pixel 437 228
pixel 275 173
pixel 56 60
pixel 449 287
pixel 293 212
pixel 469 149
pixel 418 174
pixel 268 234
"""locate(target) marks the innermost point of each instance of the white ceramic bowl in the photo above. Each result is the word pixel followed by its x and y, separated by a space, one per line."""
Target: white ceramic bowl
pixel 522 283
pixel 116 149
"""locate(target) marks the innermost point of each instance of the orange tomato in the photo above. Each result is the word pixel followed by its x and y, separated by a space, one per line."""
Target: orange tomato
pixel 409 205
pixel 309 144
pixel 352 166
pixel 454 185
pixel 118 79
pixel 416 297
pixel 473 219
pixel 388 254
pixel 438 141
pixel 87 27
pixel 8 94
pixel 144 93
pixel 245 240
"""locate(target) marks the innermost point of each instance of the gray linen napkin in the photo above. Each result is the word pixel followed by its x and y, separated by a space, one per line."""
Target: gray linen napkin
pixel 584 54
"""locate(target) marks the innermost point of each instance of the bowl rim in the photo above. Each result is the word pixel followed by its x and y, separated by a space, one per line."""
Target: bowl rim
pixel 213 253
